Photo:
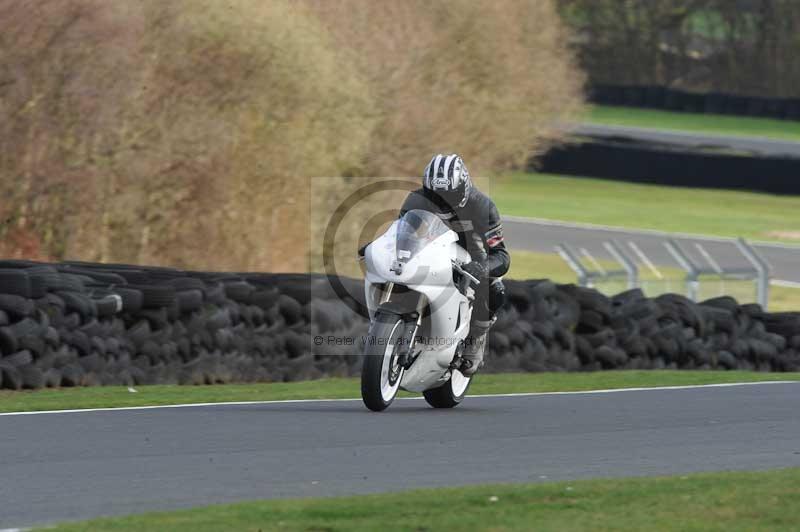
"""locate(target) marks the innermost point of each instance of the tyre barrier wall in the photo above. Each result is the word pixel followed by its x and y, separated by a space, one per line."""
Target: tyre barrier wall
pixel 641 162
pixel 80 324
pixel 664 98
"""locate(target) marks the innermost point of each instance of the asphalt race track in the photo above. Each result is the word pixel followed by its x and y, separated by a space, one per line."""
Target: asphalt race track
pixel 67 466
pixel 542 236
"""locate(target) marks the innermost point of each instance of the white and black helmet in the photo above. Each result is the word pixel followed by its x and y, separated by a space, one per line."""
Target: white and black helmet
pixel 447 177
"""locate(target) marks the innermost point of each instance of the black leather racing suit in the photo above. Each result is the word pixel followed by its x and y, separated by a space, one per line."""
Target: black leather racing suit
pixel 480 232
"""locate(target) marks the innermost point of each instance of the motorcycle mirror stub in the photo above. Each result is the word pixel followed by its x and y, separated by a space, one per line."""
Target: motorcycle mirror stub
pixel 397 267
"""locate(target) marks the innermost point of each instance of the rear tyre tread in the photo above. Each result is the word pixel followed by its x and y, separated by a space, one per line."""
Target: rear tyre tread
pixel 444 397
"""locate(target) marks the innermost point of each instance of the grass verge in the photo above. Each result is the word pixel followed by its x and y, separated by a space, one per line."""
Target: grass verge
pixel 119 396
pixel 701 123
pixel 673 209
pixel 711 501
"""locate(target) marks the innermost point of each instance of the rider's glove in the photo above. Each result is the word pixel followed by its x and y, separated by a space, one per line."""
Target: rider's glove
pixel 476 269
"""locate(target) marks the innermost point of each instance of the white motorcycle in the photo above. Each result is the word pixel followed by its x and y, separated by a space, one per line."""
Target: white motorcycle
pixel 420 304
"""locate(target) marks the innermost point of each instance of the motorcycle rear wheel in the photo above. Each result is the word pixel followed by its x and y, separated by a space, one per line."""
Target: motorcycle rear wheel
pixel 449 394
pixel 381 373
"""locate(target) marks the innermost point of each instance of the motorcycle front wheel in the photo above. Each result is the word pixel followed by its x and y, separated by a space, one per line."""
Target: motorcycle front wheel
pixel 449 394
pixel 381 373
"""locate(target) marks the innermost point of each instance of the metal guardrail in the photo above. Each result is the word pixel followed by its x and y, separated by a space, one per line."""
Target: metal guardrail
pixel 591 273
pixel 762 268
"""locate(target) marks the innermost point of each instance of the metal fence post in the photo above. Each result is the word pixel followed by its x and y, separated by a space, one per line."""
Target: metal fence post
pixel 692 273
pixel 762 268
pixel 571 258
pixel 628 265
pixel 714 266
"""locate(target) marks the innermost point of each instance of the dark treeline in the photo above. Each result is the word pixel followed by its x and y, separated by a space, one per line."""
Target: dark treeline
pixel 746 47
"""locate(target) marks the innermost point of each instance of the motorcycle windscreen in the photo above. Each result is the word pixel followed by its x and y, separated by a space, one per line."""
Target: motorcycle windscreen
pixel 417 229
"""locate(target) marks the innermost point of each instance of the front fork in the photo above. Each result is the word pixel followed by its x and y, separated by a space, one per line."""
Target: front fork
pixel 412 323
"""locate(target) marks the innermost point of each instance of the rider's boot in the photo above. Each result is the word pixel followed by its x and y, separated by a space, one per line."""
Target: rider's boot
pixel 475 346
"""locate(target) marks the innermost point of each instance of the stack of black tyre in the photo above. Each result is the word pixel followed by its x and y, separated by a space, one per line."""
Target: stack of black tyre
pixel 549 327
pixel 83 324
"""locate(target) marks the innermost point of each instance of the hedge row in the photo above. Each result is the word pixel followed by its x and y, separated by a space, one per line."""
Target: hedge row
pixel 80 324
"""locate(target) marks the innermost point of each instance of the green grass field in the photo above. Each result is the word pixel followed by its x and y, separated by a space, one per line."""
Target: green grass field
pixel 673 209
pixel 120 396
pixel 709 502
pixel 701 123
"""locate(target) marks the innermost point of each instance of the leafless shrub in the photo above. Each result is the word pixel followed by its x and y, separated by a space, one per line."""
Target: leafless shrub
pixel 185 132
pixel 489 79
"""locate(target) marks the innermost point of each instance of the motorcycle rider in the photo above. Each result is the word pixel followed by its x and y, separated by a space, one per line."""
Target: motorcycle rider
pixel 448 191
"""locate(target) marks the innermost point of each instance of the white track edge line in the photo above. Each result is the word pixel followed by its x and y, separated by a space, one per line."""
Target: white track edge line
pixel 634 231
pixel 785 284
pixel 180 405
pixel 640 389
pixel 292 401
